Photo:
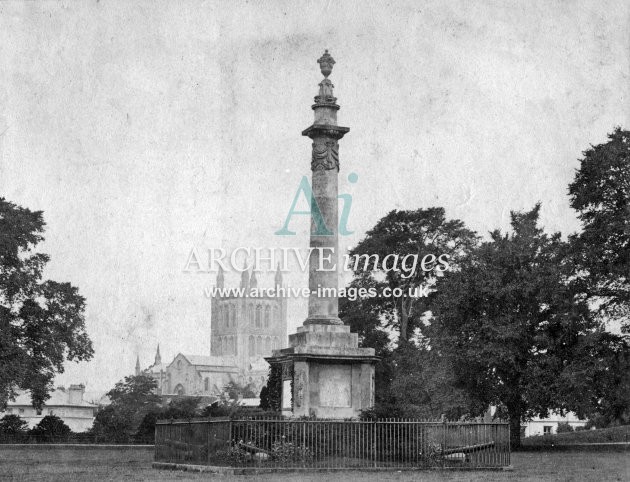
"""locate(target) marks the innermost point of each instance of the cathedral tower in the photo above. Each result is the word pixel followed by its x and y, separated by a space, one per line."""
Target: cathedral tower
pixel 247 329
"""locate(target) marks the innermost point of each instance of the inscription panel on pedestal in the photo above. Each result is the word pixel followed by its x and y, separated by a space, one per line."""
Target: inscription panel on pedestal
pixel 335 385
pixel 287 395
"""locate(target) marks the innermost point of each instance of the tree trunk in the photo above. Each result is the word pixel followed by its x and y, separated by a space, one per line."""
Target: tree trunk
pixel 515 430
pixel 404 321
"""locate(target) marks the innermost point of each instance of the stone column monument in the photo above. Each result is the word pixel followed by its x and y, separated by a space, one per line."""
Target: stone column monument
pixel 324 373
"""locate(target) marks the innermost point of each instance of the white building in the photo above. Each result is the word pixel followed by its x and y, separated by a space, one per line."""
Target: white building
pixel 549 425
pixel 67 404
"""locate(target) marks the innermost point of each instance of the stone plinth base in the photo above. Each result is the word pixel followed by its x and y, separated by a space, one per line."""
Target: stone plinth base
pixel 324 373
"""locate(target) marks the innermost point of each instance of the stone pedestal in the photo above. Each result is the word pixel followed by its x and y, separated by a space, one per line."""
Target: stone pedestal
pixel 324 373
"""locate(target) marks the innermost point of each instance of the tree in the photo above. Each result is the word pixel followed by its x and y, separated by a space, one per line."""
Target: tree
pixel 604 358
pixel 405 386
pixel 178 408
pixel 410 381
pixel 513 324
pixel 363 319
pixel 182 408
pixel 146 429
pixel 51 428
pixel 136 392
pixel 12 425
pixel 113 425
pixel 600 193
pixel 131 399
pixel 42 322
pixel 424 385
pixel 424 233
pixel 421 385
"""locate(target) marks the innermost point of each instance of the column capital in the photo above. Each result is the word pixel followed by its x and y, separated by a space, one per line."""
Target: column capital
pixel 325 130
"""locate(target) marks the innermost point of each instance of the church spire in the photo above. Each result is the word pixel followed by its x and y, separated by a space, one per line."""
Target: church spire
pixel 158 358
pixel 220 278
pixel 253 281
pixel 137 365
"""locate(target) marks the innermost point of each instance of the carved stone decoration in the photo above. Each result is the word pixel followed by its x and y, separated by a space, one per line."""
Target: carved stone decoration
pixel 325 156
pixel 326 63
pixel 326 88
pixel 300 386
pixel 287 371
pixel 325 93
pixel 372 386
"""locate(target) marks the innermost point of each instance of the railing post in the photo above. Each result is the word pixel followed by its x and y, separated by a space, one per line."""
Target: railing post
pixel 509 444
pixel 207 425
pixel 303 439
pixel 443 443
pixel 374 448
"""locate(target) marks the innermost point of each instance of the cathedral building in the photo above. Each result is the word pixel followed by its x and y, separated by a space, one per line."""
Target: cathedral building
pixel 243 330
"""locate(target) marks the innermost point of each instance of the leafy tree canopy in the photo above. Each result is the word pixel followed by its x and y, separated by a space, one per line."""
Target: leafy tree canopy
pixel 363 319
pixel 514 325
pixel 423 386
pixel 135 392
pixel 42 322
pixel 131 400
pixel 600 193
pixel 425 233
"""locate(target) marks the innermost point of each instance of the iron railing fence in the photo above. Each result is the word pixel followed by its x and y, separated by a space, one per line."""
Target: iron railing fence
pixel 290 443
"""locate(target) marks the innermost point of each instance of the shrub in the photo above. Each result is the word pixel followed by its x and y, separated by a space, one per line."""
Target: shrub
pixel 12 424
pixel 235 455
pixel 51 429
pixel 564 427
pixel 265 403
pixel 381 411
pixel 146 430
pixel 283 451
pixel 13 428
pixel 112 425
pixel 274 388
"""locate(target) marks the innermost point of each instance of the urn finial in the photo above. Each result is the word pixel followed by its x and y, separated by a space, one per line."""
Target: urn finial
pixel 326 63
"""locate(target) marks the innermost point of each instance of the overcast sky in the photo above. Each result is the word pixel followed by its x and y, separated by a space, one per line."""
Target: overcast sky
pixel 142 129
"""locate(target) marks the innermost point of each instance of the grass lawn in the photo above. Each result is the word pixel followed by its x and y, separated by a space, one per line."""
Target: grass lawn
pixel 119 464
